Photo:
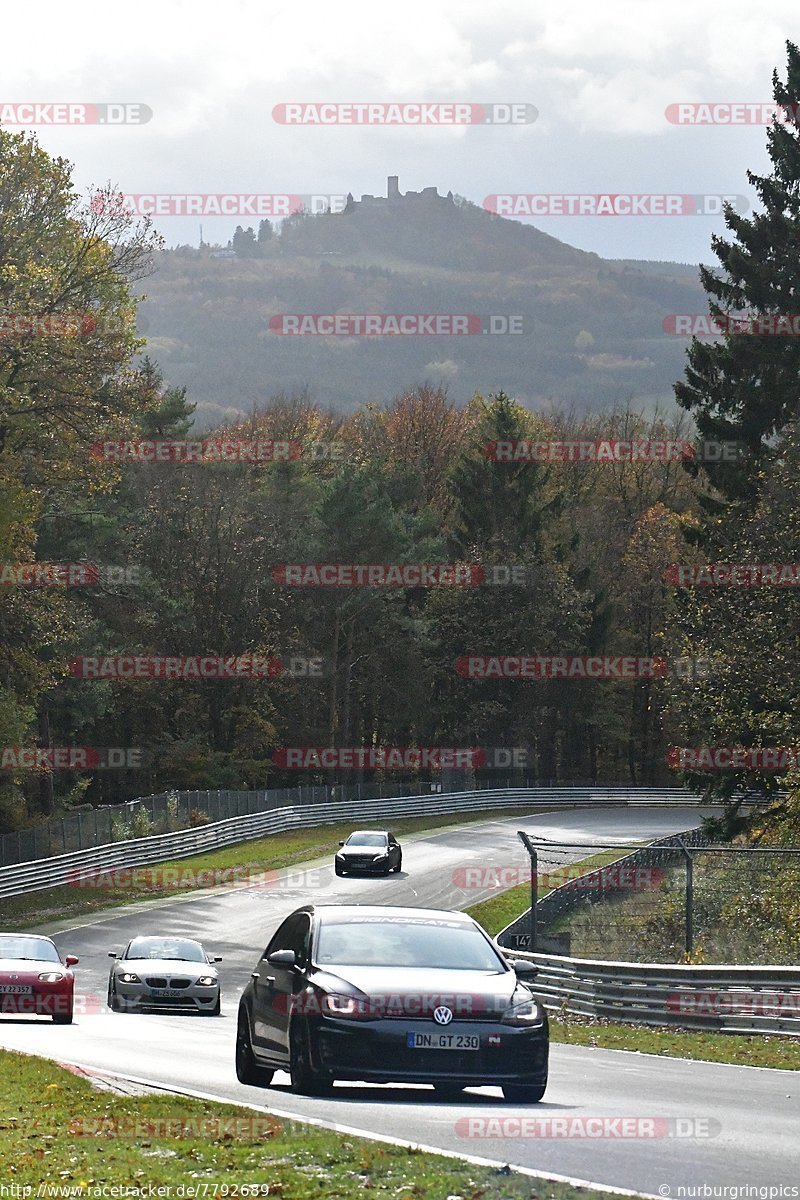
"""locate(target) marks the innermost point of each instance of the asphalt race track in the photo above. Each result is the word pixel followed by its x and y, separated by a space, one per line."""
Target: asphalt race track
pixel 743 1123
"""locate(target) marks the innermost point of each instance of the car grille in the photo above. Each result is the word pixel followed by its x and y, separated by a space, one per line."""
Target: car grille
pixel 359 861
pixel 158 981
pixel 490 1062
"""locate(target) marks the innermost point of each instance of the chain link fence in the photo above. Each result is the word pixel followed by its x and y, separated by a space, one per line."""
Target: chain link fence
pixel 683 898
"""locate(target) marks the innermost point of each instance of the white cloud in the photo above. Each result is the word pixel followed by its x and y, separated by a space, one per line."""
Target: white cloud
pixel 600 75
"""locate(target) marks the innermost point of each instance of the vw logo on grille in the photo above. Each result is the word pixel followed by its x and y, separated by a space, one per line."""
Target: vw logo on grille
pixel 442 1015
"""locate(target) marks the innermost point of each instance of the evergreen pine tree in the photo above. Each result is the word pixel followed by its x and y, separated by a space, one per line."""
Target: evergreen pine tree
pixel 745 387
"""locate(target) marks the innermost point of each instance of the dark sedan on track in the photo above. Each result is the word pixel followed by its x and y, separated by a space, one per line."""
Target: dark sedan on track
pixel 381 994
pixel 33 979
pixel 369 851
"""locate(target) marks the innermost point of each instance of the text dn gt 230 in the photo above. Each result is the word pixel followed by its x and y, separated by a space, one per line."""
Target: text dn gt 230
pixel 380 994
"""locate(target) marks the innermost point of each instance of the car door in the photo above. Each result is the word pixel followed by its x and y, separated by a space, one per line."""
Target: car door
pixel 273 986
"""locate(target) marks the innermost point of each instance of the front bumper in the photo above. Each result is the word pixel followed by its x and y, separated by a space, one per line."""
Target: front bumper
pixel 364 868
pixel 46 1000
pixel 378 1052
pixel 189 999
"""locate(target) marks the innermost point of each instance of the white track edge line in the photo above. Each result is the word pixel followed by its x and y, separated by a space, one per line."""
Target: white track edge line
pixel 354 1131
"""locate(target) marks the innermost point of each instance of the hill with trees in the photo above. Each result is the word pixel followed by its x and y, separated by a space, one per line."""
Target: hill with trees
pixel 592 330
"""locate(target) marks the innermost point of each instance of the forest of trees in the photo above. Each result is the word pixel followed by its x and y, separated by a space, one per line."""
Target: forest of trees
pixel 407 482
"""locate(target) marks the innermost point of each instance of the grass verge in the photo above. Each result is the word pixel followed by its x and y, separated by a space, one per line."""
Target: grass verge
pixel 270 853
pixel 757 1050
pixel 497 912
pixel 57 1130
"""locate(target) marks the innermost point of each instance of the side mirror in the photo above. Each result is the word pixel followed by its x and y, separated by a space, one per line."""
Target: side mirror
pixel 523 969
pixel 217 958
pixel 71 960
pixel 282 958
pixel 341 843
pixel 113 954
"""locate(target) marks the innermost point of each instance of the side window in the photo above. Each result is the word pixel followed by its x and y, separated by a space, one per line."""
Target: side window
pixel 284 937
pixel 301 939
pixel 293 934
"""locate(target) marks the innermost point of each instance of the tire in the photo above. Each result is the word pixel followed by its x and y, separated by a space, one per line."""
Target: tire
pixel 523 1093
pixel 304 1081
pixel 216 1011
pixel 247 1069
pixel 448 1091
pixel 338 869
pixel 399 866
pixel 114 1001
pixel 63 1018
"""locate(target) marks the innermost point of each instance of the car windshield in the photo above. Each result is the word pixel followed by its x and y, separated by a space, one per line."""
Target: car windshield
pixel 177 948
pixel 394 943
pixel 366 839
pixel 28 947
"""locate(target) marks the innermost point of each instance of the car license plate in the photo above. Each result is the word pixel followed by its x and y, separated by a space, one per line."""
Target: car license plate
pixel 443 1041
pixel 164 993
pixel 16 989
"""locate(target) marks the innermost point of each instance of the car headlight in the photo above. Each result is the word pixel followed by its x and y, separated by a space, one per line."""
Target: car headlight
pixel 128 977
pixel 206 981
pixel 350 1007
pixel 51 976
pixel 378 857
pixel 528 1012
pixel 340 855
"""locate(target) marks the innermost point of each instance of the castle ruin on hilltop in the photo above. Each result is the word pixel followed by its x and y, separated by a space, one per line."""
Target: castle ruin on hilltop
pixel 394 198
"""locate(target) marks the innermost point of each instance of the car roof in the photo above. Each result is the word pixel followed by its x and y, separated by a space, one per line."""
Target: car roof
pixel 383 910
pixel 164 937
pixel 41 937
pixel 382 832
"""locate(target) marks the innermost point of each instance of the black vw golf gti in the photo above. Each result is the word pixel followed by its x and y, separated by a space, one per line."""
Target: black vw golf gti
pixel 381 994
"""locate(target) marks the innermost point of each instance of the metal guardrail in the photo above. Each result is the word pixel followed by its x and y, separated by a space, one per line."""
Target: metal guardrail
pixel 720 997
pixel 728 999
pixel 170 811
pixel 63 869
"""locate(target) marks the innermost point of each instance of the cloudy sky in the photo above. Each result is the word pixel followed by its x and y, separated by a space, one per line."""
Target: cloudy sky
pixel 600 76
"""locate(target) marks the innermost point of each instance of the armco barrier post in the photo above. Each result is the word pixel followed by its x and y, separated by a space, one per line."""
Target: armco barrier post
pixel 534 857
pixel 687 854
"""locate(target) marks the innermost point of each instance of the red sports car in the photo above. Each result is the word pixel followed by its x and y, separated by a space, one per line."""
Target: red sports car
pixel 33 979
